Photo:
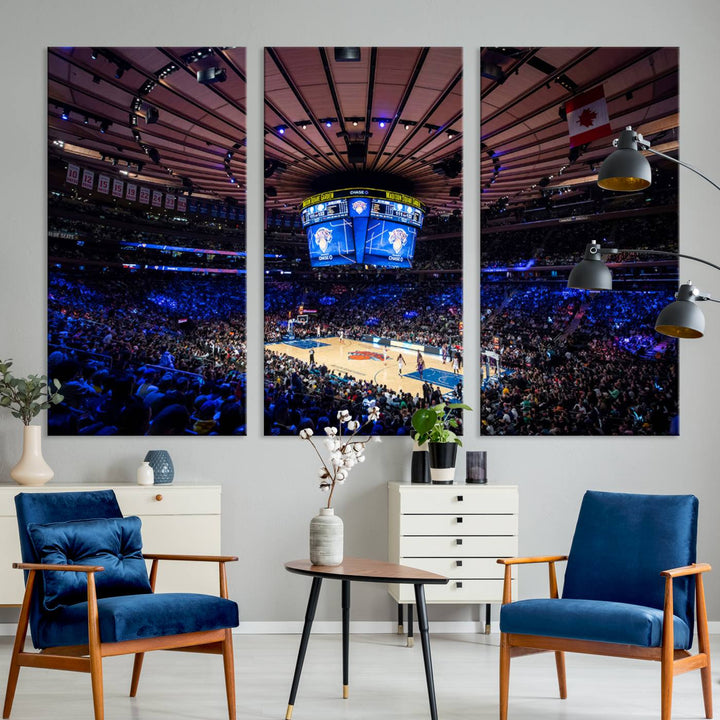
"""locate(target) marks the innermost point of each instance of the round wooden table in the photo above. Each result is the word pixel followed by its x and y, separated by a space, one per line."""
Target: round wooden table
pixel 363 570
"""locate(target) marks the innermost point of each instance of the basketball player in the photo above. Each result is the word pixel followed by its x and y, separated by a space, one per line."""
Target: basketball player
pixel 401 363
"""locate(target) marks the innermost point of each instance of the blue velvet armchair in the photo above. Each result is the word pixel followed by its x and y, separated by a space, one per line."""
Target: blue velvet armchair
pixel 630 582
pixel 88 594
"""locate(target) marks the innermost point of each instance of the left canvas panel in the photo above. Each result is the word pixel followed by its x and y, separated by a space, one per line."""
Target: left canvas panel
pixel 146 240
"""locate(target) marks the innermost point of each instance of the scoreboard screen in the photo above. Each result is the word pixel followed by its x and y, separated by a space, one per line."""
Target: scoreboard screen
pixel 330 242
pixel 362 226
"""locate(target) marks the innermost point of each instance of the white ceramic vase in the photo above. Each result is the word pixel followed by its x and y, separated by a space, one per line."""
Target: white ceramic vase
pixel 145 474
pixel 326 538
pixel 32 468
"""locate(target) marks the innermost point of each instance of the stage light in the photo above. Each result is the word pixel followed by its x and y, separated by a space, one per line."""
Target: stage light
pixel 151 115
pixel 65 113
pixel 281 129
pixel 104 126
pixel 347 54
pixel 93 54
pixel 208 76
pixel 450 134
pixel 328 123
pixel 119 72
pixel 86 121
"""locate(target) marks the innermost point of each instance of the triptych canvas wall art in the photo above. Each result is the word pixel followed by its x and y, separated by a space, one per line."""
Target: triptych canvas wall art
pixel 362 239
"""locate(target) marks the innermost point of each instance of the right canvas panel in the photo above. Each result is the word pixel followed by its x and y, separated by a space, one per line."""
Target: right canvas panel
pixel 557 360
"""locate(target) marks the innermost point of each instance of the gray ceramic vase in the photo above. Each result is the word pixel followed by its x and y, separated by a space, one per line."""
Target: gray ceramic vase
pixel 326 538
pixel 162 466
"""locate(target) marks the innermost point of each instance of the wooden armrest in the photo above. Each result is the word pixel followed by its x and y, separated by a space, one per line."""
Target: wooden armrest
pixel 67 568
pixel 693 569
pixel 528 560
pixel 194 558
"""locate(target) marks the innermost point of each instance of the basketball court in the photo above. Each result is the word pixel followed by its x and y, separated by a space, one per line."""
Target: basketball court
pixel 367 361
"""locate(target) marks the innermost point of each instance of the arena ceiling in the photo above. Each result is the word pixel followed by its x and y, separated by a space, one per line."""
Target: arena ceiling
pixel 525 151
pixel 388 117
pixel 142 112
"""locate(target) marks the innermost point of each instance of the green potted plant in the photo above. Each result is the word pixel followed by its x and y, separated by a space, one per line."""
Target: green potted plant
pixel 26 398
pixel 434 426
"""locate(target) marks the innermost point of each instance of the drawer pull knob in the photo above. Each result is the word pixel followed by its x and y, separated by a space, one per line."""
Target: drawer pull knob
pixel 459 519
pixel 458 585
pixel 158 497
pixel 458 563
pixel 460 498
pixel 458 541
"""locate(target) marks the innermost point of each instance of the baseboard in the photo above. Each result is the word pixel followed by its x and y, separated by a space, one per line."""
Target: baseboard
pixel 369 627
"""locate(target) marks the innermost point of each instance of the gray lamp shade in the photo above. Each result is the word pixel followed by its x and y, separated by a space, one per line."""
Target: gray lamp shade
pixel 682 318
pixel 627 169
pixel 590 274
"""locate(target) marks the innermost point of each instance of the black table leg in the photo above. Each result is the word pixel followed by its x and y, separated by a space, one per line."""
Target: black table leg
pixel 309 615
pixel 346 635
pixel 487 618
pixel 425 640
pixel 400 629
pixel 410 637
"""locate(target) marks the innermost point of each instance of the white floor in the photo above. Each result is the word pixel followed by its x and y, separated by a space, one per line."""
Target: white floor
pixel 386 682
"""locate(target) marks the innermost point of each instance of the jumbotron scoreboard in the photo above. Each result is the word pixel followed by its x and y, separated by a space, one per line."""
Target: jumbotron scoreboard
pixel 362 226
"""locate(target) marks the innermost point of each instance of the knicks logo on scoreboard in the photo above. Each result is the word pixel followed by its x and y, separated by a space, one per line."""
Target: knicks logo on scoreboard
pixel 359 206
pixel 365 355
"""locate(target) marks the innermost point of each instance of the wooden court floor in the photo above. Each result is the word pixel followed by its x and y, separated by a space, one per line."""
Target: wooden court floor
pixel 365 361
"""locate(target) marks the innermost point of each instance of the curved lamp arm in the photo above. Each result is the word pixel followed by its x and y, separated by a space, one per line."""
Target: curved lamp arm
pixel 685 165
pixel 613 251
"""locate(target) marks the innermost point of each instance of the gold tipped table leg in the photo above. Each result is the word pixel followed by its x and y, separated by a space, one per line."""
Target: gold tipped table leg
pixel 345 692
pixel 288 714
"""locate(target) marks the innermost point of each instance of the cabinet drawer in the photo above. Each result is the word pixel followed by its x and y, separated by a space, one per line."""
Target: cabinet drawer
pixel 167 500
pixel 458 525
pixel 468 568
pixel 458 546
pixel 472 591
pixel 458 499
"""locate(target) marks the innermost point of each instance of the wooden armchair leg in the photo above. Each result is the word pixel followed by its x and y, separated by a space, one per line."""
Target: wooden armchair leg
pixel 229 665
pixel 504 675
pixel 19 645
pixel 704 645
pixel 562 682
pixel 137 667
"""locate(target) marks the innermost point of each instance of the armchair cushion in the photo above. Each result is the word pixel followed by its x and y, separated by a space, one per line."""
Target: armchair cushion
pixel 598 620
pixel 138 616
pixel 113 543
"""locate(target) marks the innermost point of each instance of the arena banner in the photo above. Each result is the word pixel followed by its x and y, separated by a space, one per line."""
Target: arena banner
pixel 363 208
pixel 559 361
pixel 146 307
pixel 73 174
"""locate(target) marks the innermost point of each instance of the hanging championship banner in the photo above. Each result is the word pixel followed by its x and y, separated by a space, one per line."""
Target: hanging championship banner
pixel 117 188
pixel 88 179
pixel 73 174
pixel 170 202
pixel 103 185
pixel 182 203
pixel 157 198
pixel 131 191
pixel 144 195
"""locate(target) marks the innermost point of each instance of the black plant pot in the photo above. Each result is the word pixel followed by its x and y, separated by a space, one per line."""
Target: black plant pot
pixel 442 462
pixel 420 467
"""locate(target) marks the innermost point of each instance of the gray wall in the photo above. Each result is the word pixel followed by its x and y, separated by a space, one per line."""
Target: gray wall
pixel 269 485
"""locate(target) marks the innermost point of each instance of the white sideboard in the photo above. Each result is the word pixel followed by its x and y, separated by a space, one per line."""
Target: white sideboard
pixel 176 518
pixel 455 530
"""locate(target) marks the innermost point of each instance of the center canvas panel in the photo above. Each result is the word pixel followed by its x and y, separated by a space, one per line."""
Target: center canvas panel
pixel 557 360
pixel 363 235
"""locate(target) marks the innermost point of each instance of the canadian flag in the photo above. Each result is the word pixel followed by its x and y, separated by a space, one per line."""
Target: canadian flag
pixel 587 117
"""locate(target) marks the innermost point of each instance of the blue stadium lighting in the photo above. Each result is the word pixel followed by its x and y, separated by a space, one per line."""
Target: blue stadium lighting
pixel 382 123
pixel 65 114
pixel 232 179
pixel 328 123
pixel 281 129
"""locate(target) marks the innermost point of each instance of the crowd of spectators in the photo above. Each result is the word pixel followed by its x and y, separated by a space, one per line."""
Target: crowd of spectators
pixel 426 312
pixel 148 351
pixel 577 363
pixel 301 395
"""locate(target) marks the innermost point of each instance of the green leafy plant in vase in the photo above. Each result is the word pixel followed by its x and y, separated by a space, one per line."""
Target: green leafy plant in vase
pixel 26 398
pixel 436 426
